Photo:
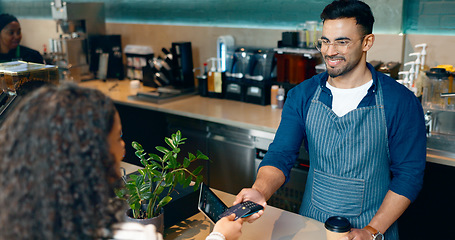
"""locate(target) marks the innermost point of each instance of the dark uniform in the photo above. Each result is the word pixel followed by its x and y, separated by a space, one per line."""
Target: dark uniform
pixel 23 54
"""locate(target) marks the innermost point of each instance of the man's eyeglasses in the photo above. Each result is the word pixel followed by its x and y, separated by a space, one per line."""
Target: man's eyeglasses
pixel 341 46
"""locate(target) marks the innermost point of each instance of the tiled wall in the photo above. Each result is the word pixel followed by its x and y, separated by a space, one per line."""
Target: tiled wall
pixel 270 14
pixel 429 17
pixel 392 16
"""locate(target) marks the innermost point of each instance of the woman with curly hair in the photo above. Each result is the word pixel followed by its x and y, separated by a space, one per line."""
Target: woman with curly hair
pixel 59 161
pixel 60 152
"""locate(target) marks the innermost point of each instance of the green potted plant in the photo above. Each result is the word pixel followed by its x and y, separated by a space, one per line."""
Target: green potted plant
pixel 149 191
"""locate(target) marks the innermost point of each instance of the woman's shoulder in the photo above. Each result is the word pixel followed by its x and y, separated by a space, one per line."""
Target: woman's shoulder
pixel 25 49
pixel 30 55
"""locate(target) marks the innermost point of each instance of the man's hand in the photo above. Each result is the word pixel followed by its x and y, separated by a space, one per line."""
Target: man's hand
pixel 230 228
pixel 251 194
pixel 358 234
pixel 268 180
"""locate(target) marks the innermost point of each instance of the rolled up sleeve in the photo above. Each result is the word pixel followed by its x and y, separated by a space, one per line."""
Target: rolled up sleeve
pixel 407 148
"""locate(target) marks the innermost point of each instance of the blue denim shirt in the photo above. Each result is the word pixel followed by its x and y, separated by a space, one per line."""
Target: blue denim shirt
pixel 405 130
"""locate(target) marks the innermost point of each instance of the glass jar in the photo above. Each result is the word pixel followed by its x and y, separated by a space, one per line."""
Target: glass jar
pixel 437 83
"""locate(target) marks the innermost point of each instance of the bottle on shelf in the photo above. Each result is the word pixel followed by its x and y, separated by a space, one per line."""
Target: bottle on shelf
pixel 280 97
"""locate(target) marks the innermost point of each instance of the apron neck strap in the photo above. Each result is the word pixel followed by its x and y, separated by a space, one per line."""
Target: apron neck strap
pixel 18 52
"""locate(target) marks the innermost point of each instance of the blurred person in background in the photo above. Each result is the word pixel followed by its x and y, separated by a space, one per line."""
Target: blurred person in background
pixel 10 38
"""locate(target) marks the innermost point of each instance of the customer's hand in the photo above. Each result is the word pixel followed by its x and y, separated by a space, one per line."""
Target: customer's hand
pixel 231 229
pixel 251 194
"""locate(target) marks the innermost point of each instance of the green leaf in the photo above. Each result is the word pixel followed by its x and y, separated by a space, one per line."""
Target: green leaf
pixel 142 172
pixel 202 156
pixel 187 182
pixel 144 188
pixel 167 156
pixel 133 176
pixel 155 157
pixel 134 198
pixel 140 154
pixel 159 190
pixel 169 142
pixel 136 145
pixel 143 162
pixel 164 201
pixel 139 180
pixel 154 165
pixel 199 179
pixel 197 170
pixel 121 192
pixel 172 162
pixel 133 202
pixel 156 173
pixel 131 186
pixel 191 157
pixel 169 178
pixel 179 177
pixel 176 150
pixel 162 149
pixel 186 162
pixel 147 196
pixel 177 136
pixel 135 206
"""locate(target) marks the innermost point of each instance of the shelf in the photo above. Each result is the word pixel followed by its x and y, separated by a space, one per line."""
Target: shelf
pixel 309 53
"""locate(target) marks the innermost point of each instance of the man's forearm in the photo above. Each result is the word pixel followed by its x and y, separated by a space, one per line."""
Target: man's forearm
pixel 391 209
pixel 268 180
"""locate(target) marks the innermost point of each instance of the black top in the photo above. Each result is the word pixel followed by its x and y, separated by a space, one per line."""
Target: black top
pixel 24 54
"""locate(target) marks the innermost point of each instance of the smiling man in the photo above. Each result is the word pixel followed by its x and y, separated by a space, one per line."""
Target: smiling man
pixel 364 132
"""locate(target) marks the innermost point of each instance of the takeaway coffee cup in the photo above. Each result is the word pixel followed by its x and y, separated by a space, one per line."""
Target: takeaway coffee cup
pixel 337 227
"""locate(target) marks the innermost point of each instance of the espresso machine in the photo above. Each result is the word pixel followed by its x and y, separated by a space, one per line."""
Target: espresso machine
pixel 76 22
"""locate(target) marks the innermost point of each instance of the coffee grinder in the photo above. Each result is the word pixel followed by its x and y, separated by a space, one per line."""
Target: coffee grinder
pixel 76 22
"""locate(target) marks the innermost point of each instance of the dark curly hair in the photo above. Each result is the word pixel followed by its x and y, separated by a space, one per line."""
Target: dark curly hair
pixel 350 9
pixel 55 165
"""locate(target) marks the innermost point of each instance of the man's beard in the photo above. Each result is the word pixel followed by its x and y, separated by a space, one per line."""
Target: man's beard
pixel 336 72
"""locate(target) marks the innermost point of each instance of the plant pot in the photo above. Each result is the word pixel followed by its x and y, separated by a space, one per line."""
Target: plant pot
pixel 158 221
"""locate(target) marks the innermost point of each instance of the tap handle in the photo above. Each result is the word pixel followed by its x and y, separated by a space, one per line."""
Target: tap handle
pixel 446 95
pixel 428 123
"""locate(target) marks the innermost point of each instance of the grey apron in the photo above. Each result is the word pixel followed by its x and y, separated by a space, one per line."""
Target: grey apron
pixel 349 163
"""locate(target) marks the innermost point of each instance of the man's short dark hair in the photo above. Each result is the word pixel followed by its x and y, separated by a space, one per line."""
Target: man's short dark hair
pixel 350 9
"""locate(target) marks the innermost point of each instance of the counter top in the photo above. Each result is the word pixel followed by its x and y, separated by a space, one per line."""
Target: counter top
pixel 274 224
pixel 441 157
pixel 228 112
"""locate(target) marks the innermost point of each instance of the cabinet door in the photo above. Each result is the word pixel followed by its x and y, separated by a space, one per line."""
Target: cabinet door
pixel 144 126
pixel 428 216
pixel 232 163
